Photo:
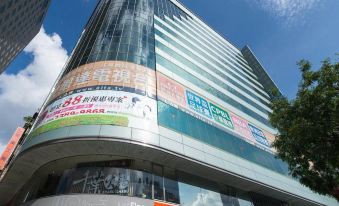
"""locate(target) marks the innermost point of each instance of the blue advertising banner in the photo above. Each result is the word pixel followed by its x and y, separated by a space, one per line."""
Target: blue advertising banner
pixel 258 135
pixel 198 104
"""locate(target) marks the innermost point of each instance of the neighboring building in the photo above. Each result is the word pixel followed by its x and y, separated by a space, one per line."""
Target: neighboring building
pixel 154 108
pixel 20 21
pixel 6 155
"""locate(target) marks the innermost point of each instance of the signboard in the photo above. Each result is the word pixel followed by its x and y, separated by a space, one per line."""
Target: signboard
pixel 133 77
pixel 241 128
pixel 13 142
pixel 172 93
pixel 107 107
pixel 97 181
pixel 221 116
pixel 171 90
pixel 198 104
pixel 258 135
pixel 103 93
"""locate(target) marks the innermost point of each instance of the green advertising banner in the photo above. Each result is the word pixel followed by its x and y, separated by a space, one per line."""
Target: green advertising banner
pixel 221 116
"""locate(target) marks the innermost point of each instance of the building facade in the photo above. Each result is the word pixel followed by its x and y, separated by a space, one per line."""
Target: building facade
pixel 154 108
pixel 20 21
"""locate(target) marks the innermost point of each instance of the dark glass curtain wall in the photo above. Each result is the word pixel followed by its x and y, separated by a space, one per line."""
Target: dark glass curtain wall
pixel 118 30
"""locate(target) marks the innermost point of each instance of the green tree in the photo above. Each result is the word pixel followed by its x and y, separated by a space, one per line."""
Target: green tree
pixel 29 120
pixel 308 138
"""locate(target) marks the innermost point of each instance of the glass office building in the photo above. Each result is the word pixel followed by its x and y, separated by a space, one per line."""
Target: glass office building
pixel 154 108
pixel 20 21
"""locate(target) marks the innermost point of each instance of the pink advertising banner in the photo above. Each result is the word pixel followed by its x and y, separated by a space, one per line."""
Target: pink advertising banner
pixel 241 128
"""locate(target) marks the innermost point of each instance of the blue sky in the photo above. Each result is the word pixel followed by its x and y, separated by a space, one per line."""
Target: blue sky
pixel 280 32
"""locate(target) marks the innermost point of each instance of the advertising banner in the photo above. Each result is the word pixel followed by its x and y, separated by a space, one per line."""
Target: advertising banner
pixel 103 93
pixel 221 116
pixel 198 104
pixel 132 77
pixel 241 128
pixel 171 90
pixel 107 107
pixel 13 142
pixel 258 135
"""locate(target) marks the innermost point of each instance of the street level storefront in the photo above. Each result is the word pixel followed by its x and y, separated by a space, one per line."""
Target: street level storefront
pixel 127 182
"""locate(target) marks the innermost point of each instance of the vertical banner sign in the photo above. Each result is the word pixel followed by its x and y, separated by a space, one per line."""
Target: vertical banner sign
pixel 258 135
pixel 198 104
pixel 221 116
pixel 7 153
pixel 241 128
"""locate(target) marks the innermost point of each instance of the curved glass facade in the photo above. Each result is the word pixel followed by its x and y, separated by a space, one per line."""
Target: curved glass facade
pixel 112 79
pixel 130 178
pixel 118 30
pixel 149 76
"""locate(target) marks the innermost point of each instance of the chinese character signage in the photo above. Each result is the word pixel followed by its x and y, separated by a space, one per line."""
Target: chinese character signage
pixel 171 90
pixel 221 116
pixel 198 104
pixel 100 181
pixel 103 93
pixel 107 107
pixel 125 75
pixel 241 128
pixel 13 142
pixel 258 135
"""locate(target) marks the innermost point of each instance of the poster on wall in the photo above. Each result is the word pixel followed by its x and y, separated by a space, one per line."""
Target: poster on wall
pixel 103 93
pixel 221 116
pixel 169 89
pixel 241 128
pixel 198 104
pixel 106 107
pixel 131 77
pixel 172 92
pixel 258 135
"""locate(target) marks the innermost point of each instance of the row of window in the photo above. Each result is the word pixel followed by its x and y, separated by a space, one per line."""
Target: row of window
pixel 206 46
pixel 224 52
pixel 127 179
pixel 197 69
pixel 216 69
pixel 166 7
pixel 176 119
pixel 190 78
pixel 234 52
pixel 214 79
pixel 120 30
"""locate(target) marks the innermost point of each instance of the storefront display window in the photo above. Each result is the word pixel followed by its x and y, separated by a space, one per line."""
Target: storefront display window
pixel 141 184
pixel 122 178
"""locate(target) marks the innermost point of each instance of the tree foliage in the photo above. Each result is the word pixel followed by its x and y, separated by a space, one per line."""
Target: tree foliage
pixel 308 138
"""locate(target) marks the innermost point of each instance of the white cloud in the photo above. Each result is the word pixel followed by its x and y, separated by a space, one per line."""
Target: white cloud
pixel 23 93
pixel 290 10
